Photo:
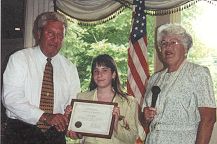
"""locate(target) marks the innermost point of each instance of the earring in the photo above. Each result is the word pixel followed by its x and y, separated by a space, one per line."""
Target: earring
pixel 186 54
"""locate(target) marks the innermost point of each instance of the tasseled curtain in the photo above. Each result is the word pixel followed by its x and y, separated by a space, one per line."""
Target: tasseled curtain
pixel 163 7
pixel 96 11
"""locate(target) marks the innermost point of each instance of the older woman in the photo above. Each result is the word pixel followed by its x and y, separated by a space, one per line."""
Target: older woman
pixel 185 110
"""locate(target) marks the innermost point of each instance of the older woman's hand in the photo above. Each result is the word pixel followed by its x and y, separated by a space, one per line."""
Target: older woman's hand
pixel 149 113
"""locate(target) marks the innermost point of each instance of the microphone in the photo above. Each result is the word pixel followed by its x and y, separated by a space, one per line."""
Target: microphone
pixel 155 91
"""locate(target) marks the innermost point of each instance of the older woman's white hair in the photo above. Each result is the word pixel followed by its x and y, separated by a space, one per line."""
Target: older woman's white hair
pixel 177 31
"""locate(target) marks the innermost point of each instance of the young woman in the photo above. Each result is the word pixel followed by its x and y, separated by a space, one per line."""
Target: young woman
pixel 105 87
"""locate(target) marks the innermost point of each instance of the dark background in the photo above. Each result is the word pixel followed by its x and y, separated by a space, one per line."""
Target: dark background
pixel 12 15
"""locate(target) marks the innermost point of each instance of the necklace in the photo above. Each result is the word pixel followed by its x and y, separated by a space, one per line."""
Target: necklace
pixel 96 99
pixel 167 82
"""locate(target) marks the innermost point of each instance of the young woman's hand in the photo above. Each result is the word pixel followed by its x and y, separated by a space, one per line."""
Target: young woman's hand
pixel 116 113
pixel 73 135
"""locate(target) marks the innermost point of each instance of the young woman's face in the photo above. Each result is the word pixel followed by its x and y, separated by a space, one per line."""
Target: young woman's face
pixel 51 38
pixel 103 76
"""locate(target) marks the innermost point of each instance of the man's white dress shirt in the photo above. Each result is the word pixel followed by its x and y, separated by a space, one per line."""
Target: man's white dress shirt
pixel 22 81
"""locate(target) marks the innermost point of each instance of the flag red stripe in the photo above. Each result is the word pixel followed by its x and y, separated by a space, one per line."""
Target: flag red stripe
pixel 145 40
pixel 135 74
pixel 141 57
pixel 129 90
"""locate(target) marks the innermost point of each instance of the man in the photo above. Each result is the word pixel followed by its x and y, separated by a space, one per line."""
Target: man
pixel 30 122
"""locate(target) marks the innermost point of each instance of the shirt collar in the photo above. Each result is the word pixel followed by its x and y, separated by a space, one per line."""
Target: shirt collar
pixel 42 57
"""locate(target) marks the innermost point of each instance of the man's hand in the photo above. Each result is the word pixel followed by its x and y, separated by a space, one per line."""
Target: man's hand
pixel 59 121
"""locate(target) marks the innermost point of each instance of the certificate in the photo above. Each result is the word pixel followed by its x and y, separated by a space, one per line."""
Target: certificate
pixel 92 118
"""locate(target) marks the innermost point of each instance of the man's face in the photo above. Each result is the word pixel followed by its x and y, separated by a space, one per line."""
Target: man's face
pixel 51 38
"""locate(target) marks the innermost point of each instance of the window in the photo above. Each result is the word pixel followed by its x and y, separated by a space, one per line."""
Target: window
pixel 200 21
pixel 83 42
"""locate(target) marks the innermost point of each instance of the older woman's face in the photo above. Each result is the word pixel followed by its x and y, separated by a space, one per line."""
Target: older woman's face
pixel 173 52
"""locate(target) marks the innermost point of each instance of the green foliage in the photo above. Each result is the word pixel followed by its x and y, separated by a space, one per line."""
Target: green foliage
pixel 82 43
pixel 116 31
pixel 150 41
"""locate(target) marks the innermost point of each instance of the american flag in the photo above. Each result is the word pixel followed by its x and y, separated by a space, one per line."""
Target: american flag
pixel 138 70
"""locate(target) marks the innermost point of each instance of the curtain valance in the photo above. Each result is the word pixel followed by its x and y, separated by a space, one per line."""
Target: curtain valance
pixel 162 7
pixel 97 11
pixel 89 11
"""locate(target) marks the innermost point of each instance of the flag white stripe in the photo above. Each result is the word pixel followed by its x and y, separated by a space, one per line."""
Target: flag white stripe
pixel 137 63
pixel 143 48
pixel 135 89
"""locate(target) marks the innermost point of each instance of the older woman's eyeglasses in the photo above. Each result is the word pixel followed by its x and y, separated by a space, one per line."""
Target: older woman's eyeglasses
pixel 165 44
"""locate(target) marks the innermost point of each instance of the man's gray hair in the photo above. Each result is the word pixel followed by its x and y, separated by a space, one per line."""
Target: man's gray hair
pixel 42 20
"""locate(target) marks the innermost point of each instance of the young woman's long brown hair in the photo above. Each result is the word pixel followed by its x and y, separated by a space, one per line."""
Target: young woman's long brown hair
pixel 108 61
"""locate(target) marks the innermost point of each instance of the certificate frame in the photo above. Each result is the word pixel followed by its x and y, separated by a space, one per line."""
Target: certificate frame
pixel 86 115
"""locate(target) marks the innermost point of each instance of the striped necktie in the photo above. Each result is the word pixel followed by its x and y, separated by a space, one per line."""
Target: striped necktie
pixel 47 93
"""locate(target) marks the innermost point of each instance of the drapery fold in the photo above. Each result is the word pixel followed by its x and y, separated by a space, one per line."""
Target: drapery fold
pixel 164 4
pixel 89 11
